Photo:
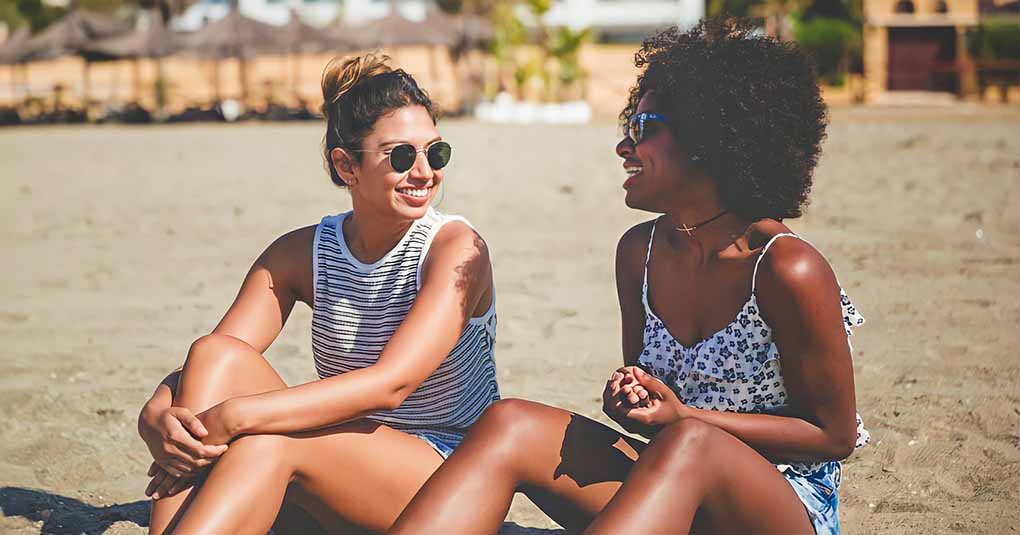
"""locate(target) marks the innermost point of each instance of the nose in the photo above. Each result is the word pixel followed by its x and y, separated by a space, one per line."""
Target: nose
pixel 421 171
pixel 625 147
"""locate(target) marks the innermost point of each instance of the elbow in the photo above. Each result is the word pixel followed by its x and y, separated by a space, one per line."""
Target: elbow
pixel 393 398
pixel 842 446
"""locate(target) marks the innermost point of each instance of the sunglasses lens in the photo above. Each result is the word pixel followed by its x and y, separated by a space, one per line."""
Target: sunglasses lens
pixel 402 157
pixel 633 131
pixel 439 154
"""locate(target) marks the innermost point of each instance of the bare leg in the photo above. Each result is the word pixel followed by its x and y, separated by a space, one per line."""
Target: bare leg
pixel 218 368
pixel 568 465
pixel 693 467
pixel 363 471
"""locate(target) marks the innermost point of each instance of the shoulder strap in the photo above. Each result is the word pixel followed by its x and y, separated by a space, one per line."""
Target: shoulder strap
pixel 754 275
pixel 648 257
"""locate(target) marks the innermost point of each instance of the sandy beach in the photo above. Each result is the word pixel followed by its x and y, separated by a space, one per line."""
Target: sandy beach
pixel 122 245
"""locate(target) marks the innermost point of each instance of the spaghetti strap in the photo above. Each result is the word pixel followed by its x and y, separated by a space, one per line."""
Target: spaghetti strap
pixel 644 276
pixel 754 275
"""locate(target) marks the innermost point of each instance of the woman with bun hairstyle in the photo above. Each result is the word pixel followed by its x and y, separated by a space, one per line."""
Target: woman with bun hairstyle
pixel 403 331
pixel 735 331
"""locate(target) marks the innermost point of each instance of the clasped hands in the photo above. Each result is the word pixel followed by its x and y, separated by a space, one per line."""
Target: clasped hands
pixel 184 446
pixel 639 402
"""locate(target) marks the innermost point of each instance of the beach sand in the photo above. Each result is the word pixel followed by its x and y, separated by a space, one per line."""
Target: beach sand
pixel 122 245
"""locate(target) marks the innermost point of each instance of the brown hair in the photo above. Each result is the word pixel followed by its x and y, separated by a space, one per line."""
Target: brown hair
pixel 356 91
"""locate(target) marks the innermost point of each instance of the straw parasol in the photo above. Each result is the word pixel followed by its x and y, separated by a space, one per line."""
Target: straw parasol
pixel 299 37
pixel 235 36
pixel 11 51
pixel 395 30
pixel 71 35
pixel 153 40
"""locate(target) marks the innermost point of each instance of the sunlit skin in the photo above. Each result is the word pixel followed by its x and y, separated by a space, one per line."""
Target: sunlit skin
pixel 702 471
pixel 230 439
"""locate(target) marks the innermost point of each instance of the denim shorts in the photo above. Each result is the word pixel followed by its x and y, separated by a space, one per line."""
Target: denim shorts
pixel 819 491
pixel 444 446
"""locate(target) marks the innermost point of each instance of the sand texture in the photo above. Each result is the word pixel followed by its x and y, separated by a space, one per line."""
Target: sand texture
pixel 122 245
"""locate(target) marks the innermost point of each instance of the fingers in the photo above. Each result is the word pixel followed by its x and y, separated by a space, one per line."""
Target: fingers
pixel 191 422
pixel 157 480
pixel 163 488
pixel 179 486
pixel 153 469
pixel 635 394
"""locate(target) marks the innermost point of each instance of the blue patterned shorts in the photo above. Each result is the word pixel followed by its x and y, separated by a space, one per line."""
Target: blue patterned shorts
pixel 819 492
pixel 443 446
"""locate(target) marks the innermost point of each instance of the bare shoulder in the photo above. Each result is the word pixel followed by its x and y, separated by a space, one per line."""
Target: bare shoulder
pixel 293 246
pixel 632 248
pixel 458 249
pixel 791 265
pixel 458 236
pixel 289 262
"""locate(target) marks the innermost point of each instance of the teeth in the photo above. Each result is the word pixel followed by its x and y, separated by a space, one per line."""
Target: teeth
pixel 414 192
pixel 631 171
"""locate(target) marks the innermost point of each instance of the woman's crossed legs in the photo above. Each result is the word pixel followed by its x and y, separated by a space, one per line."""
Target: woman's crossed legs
pixel 576 469
pixel 359 472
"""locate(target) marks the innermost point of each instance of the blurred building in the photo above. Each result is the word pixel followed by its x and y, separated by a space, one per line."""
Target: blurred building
pixel 918 45
pixel 922 45
pixel 612 19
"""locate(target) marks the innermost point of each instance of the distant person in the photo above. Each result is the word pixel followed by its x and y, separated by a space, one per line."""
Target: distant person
pixel 735 331
pixel 403 331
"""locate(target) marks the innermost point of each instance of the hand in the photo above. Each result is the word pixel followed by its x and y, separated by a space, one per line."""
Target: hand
pixel 173 440
pixel 649 402
pixel 616 404
pixel 220 423
pixel 164 485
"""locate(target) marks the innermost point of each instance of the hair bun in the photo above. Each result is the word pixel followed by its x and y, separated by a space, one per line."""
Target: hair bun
pixel 342 74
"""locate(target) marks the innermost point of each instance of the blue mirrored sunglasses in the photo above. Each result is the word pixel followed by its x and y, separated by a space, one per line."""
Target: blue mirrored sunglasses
pixel 635 129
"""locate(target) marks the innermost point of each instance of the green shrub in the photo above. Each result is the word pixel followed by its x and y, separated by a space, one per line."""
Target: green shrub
pixel 833 43
pixel 995 40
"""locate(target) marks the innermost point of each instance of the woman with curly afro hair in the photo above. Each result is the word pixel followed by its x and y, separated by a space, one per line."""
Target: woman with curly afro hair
pixel 735 331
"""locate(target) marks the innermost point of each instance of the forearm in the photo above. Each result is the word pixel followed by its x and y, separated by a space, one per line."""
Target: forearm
pixel 161 399
pixel 780 439
pixel 315 405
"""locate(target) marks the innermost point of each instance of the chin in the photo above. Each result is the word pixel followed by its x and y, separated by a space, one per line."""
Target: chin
pixel 412 212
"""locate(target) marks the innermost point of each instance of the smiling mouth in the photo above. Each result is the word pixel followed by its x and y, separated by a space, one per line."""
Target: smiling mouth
pixel 633 171
pixel 414 192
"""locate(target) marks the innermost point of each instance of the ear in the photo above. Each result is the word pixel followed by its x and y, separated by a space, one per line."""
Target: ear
pixel 344 164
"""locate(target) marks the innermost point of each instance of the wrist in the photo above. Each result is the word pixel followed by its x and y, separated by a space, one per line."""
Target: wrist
pixel 237 420
pixel 681 411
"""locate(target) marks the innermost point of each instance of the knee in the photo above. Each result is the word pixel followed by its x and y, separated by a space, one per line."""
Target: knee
pixel 507 421
pixel 264 450
pixel 213 351
pixel 685 441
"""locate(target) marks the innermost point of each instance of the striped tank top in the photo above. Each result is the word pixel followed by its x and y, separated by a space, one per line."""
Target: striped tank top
pixel 359 306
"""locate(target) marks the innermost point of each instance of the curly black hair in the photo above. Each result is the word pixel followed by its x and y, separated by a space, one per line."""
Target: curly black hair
pixel 745 108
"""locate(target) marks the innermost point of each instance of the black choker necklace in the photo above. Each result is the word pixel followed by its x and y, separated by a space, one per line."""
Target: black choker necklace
pixel 688 230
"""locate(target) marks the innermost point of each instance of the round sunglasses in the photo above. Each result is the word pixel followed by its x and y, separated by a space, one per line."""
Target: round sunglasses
pixel 635 129
pixel 403 156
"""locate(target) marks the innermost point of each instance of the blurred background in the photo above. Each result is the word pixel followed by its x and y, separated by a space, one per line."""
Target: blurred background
pixel 503 60
pixel 121 244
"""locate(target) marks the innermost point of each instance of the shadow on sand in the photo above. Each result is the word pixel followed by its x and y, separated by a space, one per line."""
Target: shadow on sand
pixel 62 515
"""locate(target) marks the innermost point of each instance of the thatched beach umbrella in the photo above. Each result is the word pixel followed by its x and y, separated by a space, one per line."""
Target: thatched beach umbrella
pixel 235 36
pixel 299 38
pixel 11 52
pixel 395 30
pixel 71 35
pixel 153 41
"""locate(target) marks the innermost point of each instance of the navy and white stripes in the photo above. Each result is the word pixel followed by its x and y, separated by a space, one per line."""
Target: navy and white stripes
pixel 359 306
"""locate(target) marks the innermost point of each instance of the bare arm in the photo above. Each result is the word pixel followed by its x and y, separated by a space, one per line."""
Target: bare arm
pixel 280 276
pixel 455 277
pixel 630 265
